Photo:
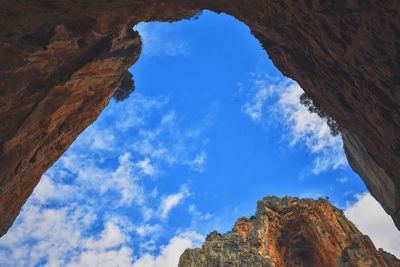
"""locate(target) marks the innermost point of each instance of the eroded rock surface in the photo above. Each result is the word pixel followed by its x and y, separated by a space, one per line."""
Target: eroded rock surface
pixel 289 232
pixel 61 62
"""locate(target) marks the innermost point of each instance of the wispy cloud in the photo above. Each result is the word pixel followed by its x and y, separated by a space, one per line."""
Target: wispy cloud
pixel 309 129
pixel 124 181
pixel 277 100
pixel 148 229
pixel 342 179
pixel 263 89
pixel 170 143
pixel 50 234
pixel 89 175
pixel 136 112
pixel 370 218
pixel 198 215
pixel 197 164
pixel 102 140
pixel 48 190
pixel 146 167
pixel 110 249
pixel 171 201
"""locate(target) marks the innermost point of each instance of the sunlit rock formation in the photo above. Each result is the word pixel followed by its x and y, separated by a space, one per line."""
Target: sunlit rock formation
pixel 61 62
pixel 290 232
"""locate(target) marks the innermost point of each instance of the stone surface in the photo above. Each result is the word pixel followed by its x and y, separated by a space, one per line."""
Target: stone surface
pixel 378 182
pixel 62 60
pixel 289 232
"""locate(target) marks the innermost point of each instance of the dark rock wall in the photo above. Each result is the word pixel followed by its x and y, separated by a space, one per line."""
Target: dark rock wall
pixel 62 60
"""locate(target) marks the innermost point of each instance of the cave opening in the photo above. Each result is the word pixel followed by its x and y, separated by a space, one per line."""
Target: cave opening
pixel 211 128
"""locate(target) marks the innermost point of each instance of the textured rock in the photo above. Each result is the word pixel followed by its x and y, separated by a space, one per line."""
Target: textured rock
pixel 289 232
pixel 62 61
pixel 375 177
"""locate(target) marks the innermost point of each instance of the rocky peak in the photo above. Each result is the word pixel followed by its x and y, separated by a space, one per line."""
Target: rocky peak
pixel 290 232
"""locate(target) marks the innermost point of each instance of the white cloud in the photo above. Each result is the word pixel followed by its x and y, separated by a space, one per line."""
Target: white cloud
pixel 170 143
pixel 308 129
pixel 342 179
pixel 110 237
pixel 171 201
pixel 169 255
pixel 123 180
pixel 197 164
pixel 103 140
pixel 329 158
pixel 146 167
pixel 45 233
pixel 48 190
pixel 96 138
pixel 305 126
pixel 279 101
pixel 370 218
pixel 198 215
pixel 256 107
pixel 169 118
pixel 148 229
pixel 108 250
pixel 136 111
pixel 107 258
pixel 59 237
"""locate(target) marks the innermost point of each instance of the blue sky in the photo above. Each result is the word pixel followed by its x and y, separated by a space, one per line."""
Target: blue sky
pixel 212 127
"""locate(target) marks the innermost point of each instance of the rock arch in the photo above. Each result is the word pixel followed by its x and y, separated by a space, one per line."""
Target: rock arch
pixel 62 61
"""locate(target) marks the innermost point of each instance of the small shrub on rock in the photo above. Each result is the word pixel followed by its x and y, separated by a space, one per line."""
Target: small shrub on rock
pixel 126 87
pixel 314 107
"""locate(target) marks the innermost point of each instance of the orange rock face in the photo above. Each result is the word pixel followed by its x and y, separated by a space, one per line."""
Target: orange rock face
pixel 61 62
pixel 290 232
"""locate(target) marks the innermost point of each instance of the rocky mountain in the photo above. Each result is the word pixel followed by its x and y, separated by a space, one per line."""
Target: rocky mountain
pixel 61 62
pixel 289 232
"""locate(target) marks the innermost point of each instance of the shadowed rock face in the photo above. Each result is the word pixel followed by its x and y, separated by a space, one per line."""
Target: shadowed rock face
pixel 61 62
pixel 289 232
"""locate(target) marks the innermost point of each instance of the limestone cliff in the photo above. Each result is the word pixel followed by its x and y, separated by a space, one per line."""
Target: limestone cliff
pixel 61 62
pixel 289 232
